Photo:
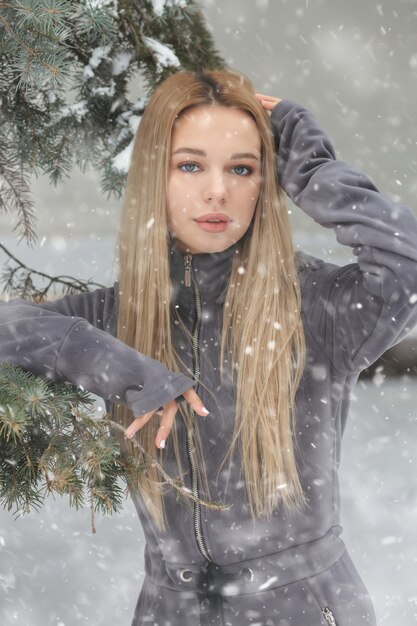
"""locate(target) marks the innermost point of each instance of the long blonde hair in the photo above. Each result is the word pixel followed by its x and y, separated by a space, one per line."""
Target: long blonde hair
pixel 262 308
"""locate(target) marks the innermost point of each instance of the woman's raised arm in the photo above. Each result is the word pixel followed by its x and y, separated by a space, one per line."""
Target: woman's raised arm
pixel 358 311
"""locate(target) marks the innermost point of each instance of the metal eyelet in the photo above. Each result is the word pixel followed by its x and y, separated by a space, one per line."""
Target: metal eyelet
pixel 186 575
pixel 247 574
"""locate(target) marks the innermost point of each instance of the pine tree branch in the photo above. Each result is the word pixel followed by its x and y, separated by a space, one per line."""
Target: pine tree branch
pixel 14 192
pixel 173 483
pixel 71 284
pixel 33 54
pixel 50 442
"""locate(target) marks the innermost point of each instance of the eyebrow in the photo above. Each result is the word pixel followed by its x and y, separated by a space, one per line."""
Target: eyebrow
pixel 237 155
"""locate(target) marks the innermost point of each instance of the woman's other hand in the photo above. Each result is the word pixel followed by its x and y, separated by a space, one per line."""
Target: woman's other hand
pixel 168 413
pixel 268 102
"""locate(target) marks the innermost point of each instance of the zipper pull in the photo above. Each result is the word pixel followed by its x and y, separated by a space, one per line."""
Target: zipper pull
pixel 328 616
pixel 187 269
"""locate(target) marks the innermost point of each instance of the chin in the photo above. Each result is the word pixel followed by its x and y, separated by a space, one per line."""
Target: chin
pixel 206 246
pixel 214 246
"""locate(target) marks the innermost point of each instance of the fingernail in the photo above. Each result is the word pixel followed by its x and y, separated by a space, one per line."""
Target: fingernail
pixel 205 410
pixel 162 444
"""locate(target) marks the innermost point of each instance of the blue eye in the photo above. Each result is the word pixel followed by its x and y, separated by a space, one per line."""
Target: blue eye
pixel 185 164
pixel 249 169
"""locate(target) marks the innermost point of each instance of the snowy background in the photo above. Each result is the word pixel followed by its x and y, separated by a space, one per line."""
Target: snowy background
pixel 54 571
pixel 355 66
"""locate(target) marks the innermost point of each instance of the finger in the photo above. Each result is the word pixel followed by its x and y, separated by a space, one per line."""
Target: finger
pixel 268 102
pixel 262 96
pixel 194 401
pixel 137 424
pixel 165 426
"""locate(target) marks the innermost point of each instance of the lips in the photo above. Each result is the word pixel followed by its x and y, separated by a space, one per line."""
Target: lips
pixel 212 217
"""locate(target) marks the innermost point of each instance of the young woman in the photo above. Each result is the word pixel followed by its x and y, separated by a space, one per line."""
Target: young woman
pixel 213 305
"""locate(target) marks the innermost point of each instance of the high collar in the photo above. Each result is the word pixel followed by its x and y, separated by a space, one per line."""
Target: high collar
pixel 211 272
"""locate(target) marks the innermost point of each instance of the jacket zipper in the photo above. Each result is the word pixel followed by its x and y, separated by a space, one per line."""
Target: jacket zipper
pixel 328 616
pixel 189 280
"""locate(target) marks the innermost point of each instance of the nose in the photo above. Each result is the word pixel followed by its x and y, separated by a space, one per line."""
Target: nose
pixel 215 189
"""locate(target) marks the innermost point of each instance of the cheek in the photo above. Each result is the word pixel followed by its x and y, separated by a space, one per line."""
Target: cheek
pixel 252 194
pixel 172 191
pixel 178 207
pixel 178 192
pixel 249 202
pixel 173 199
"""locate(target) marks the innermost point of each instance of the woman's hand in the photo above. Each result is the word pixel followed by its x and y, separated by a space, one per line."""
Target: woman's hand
pixel 268 102
pixel 168 413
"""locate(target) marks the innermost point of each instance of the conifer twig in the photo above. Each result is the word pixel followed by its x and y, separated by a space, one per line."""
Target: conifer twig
pixel 50 442
pixel 32 53
pixel 183 490
pixel 68 281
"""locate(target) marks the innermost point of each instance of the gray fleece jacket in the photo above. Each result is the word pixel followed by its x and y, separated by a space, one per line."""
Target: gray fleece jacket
pixel 218 567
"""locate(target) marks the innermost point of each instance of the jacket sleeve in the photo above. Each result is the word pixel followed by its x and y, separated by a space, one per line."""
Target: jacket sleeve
pixel 355 313
pixel 67 340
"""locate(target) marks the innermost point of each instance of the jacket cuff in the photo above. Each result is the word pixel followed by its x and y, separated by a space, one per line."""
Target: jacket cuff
pixel 283 107
pixel 173 388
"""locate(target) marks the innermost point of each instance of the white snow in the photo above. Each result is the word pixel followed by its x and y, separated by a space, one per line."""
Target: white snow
pixel 121 161
pixel 159 5
pixel 165 56
pixel 121 60
pixel 95 4
pixel 79 109
pixel 98 54
pixel 133 121
pixel 379 376
pixel 105 91
pixel 268 583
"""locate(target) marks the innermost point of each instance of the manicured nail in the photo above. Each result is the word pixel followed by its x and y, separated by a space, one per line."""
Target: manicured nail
pixel 162 444
pixel 205 410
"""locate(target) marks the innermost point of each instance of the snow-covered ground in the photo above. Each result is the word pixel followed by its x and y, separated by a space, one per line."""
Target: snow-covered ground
pixel 54 571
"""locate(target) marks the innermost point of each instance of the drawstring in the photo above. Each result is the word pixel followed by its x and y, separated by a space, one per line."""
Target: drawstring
pixel 211 611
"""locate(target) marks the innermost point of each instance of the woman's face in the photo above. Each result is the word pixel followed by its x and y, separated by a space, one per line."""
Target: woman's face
pixel 215 174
